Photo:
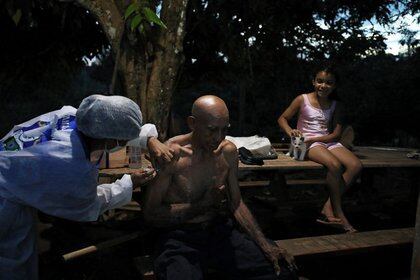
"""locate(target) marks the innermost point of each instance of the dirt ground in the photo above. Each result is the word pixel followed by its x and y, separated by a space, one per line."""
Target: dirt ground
pixel 389 201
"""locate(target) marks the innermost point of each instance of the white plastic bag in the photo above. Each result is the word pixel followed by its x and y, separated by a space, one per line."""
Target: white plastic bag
pixel 38 129
pixel 256 144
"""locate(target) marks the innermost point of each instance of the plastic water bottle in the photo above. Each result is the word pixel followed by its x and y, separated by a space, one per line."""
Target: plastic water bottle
pixel 134 157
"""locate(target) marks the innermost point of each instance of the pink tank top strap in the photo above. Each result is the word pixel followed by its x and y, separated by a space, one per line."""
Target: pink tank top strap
pixel 305 99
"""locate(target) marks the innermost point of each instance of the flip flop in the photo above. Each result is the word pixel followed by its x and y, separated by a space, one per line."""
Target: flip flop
pixel 350 230
pixel 323 219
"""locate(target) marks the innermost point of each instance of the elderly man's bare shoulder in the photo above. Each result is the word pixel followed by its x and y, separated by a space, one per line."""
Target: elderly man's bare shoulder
pixel 229 150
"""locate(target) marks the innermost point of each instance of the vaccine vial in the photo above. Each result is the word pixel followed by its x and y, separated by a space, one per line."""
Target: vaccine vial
pixel 134 157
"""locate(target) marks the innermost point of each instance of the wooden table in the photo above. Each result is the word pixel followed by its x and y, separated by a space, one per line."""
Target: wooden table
pixel 371 157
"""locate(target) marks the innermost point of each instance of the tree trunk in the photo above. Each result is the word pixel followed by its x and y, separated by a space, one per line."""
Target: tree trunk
pixel 168 58
pixel 150 84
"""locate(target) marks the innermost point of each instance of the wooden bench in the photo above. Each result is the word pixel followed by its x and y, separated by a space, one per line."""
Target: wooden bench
pixel 347 243
pixel 327 244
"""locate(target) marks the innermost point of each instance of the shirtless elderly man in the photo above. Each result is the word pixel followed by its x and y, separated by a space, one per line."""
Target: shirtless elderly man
pixel 188 200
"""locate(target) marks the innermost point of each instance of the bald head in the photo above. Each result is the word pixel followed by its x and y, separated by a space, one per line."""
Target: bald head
pixel 209 106
pixel 209 122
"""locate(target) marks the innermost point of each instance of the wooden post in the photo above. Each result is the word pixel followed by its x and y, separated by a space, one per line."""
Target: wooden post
pixel 101 246
pixel 415 263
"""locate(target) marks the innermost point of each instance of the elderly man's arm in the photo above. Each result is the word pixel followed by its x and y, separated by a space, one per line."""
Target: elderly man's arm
pixel 242 214
pixel 148 139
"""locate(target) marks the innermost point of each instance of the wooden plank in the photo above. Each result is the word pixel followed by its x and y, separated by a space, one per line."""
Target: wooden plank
pixel 306 181
pixel 386 149
pixel 250 184
pixel 102 246
pixel 347 242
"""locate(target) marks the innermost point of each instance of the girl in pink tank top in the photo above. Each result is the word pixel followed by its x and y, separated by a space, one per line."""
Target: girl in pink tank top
pixel 316 112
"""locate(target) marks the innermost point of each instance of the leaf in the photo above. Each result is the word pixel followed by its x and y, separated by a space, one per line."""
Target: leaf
pixel 135 22
pixel 131 9
pixel 152 17
pixel 17 16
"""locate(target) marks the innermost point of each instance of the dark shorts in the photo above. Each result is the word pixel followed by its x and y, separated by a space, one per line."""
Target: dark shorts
pixel 188 251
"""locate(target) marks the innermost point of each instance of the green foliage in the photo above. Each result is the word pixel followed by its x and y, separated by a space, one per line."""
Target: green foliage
pixel 135 22
pixel 140 16
pixel 409 40
pixel 266 52
pixel 152 17
pixel 131 9
pixel 17 16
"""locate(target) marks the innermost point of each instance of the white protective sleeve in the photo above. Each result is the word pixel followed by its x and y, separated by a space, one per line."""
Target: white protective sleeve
pixel 117 194
pixel 148 130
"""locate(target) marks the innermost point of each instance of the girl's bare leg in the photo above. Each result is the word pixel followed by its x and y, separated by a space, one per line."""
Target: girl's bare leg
pixel 335 181
pixel 351 163
pixel 352 166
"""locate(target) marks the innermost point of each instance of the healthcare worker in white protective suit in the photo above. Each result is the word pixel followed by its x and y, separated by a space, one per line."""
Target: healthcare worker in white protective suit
pixel 50 163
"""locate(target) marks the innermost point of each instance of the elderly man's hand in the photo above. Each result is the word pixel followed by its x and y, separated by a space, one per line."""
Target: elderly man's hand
pixel 274 253
pixel 159 152
pixel 142 177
